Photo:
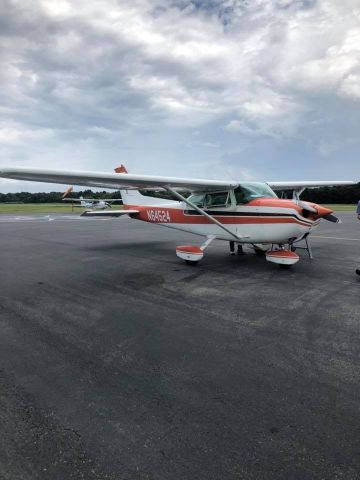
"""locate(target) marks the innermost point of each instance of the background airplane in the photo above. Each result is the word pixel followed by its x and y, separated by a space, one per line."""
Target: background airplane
pixel 89 203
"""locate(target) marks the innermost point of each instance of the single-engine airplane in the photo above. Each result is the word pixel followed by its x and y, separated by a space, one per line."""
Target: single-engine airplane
pixel 236 212
pixel 90 203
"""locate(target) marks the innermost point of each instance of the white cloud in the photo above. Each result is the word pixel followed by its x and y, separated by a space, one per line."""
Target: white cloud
pixel 13 133
pixel 59 8
pixel 321 48
pixel 185 62
pixel 350 87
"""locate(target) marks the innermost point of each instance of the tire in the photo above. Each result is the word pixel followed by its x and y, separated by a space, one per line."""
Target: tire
pixel 261 251
pixel 191 262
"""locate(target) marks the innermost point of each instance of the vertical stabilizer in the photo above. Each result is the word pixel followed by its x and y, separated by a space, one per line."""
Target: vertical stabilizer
pixel 121 169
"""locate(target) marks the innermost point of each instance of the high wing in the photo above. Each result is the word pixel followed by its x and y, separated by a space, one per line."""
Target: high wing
pixel 112 180
pixel 125 180
pixel 303 185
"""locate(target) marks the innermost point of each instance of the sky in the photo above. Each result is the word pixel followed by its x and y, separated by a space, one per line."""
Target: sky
pixel 221 89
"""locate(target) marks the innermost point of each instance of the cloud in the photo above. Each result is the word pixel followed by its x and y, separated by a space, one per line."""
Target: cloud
pixel 350 87
pixel 89 78
pixel 12 133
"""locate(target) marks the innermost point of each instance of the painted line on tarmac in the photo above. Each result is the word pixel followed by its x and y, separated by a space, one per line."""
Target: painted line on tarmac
pixel 48 219
pixel 21 219
pixel 336 238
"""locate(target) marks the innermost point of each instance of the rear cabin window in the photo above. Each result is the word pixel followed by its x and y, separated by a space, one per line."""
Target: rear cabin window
pixel 217 199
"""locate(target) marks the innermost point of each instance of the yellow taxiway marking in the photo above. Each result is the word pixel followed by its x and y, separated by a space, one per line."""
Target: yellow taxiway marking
pixel 337 238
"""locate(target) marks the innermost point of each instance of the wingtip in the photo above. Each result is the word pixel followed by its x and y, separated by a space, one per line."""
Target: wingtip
pixel 7 171
pixel 3 170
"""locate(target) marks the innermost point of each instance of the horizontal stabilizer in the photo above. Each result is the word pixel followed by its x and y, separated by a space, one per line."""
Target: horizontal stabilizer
pixel 108 213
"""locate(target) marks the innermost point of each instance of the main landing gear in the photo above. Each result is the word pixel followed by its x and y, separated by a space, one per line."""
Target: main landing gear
pixel 282 255
pixel 191 253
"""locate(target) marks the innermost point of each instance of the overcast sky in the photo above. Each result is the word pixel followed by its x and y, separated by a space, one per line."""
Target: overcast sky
pixel 241 89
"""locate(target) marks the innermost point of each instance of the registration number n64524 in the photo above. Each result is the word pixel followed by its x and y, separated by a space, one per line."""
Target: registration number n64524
pixel 160 216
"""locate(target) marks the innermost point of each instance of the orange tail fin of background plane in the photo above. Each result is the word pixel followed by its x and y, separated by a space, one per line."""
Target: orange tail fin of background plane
pixel 120 169
pixel 67 191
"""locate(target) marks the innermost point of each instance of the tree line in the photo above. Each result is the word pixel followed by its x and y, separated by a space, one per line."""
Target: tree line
pixel 349 194
pixel 342 195
pixel 53 197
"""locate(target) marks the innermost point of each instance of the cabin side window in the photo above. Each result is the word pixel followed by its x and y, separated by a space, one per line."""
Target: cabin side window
pixel 197 199
pixel 210 200
pixel 218 199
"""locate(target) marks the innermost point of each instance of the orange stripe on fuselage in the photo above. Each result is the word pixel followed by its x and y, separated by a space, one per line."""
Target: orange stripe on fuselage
pixel 165 216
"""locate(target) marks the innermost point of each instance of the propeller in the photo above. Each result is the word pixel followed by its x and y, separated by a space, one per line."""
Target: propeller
pixel 332 218
pixel 321 212
pixel 307 207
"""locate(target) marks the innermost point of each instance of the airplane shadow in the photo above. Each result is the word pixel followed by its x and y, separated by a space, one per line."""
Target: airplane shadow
pixel 121 246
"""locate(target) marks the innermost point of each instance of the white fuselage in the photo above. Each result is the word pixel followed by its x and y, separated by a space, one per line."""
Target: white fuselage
pixel 94 205
pixel 251 224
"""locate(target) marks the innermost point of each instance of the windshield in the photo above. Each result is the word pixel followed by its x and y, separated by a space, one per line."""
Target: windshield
pixel 248 191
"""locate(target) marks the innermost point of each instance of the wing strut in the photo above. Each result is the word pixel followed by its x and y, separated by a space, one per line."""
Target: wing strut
pixel 202 212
